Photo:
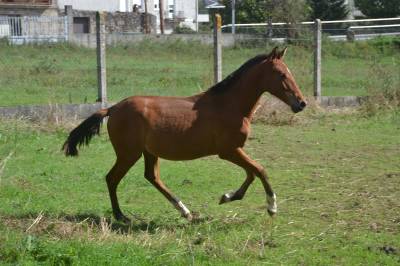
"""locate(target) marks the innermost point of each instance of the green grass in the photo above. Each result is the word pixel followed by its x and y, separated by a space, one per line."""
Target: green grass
pixel 49 74
pixel 336 176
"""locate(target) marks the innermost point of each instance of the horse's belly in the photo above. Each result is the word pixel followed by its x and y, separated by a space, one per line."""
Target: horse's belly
pixel 179 146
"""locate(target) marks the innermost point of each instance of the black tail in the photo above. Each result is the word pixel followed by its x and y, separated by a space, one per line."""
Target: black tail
pixel 82 134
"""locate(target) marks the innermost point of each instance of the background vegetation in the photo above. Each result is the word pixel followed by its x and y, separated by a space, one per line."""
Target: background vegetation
pixel 50 74
pixel 379 8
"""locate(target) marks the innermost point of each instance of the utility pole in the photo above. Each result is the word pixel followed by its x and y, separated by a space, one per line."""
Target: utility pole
pixel 197 15
pixel 233 16
pixel 161 7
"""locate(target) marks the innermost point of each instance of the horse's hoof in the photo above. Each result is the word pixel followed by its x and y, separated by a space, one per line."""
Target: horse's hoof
pixel 227 197
pixel 188 217
pixel 122 218
pixel 271 213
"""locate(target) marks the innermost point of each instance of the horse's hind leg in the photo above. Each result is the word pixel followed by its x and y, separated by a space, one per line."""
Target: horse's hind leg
pixel 152 174
pixel 238 194
pixel 113 178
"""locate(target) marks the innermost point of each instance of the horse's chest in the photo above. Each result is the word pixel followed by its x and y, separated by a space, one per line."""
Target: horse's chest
pixel 234 133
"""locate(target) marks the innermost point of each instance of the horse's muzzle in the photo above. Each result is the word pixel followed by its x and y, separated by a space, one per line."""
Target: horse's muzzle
pixel 299 106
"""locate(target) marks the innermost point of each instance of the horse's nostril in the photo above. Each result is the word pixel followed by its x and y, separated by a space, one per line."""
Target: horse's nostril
pixel 303 104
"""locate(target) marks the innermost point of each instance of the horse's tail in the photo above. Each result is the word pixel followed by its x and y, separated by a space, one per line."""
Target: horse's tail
pixel 82 134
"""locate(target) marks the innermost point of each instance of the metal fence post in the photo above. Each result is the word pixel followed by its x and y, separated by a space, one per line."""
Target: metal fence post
pixel 217 49
pixel 317 58
pixel 101 58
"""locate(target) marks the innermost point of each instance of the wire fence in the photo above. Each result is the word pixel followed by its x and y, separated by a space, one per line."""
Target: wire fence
pixel 181 66
pixel 358 58
pixel 62 73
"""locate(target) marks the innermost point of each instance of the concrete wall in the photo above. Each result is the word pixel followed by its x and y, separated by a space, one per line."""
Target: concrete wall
pixel 89 40
pixel 59 112
pixel 51 112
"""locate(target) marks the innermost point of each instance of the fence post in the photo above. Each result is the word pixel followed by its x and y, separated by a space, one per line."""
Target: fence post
pixel 217 49
pixel 350 35
pixel 66 32
pixel 101 58
pixel 317 59
pixel 69 24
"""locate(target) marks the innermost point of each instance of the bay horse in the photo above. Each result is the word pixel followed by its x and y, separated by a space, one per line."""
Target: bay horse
pixel 215 122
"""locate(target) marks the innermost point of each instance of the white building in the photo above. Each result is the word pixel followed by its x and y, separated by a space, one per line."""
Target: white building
pixel 182 10
pixel 91 5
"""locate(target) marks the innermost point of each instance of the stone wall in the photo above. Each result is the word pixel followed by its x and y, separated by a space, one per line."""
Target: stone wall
pixel 116 21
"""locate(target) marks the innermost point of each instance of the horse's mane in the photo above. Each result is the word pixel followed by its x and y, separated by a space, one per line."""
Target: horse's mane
pixel 225 84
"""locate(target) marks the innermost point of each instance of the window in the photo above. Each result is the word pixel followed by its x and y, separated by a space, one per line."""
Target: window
pixel 15 25
pixel 81 25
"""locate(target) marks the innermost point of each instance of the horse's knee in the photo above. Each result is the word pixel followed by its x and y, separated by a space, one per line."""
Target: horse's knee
pixel 260 172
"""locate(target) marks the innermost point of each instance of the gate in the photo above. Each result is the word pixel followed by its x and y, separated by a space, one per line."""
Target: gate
pixel 20 30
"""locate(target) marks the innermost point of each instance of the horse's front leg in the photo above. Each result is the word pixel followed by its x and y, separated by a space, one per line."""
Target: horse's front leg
pixel 238 194
pixel 240 158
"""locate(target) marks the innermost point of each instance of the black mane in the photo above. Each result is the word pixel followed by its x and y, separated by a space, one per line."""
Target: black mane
pixel 225 84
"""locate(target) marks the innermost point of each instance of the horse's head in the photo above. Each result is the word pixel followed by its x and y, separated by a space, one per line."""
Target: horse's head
pixel 279 81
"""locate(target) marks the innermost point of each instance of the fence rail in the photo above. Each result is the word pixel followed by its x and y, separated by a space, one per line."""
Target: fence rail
pixel 311 22
pixel 336 30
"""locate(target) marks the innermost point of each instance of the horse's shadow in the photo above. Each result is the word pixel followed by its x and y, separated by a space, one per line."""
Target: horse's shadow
pixel 135 224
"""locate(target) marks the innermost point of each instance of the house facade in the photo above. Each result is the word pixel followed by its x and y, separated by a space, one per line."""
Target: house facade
pixel 28 8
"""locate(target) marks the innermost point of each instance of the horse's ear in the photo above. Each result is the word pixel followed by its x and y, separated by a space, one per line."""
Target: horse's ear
pixel 274 53
pixel 282 53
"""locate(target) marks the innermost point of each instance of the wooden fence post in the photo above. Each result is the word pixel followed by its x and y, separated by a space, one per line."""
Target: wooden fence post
pixel 217 49
pixel 317 59
pixel 101 58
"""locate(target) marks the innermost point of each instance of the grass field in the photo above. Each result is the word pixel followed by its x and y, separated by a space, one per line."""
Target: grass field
pixel 67 74
pixel 336 175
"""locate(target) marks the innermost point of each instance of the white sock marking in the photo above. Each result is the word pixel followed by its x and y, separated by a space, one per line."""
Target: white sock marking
pixel 229 196
pixel 272 206
pixel 185 211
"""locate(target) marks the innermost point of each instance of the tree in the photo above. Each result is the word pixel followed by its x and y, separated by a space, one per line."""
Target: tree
pixel 328 9
pixel 379 8
pixel 256 11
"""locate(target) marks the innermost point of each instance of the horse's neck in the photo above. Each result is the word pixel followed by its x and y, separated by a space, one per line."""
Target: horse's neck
pixel 243 98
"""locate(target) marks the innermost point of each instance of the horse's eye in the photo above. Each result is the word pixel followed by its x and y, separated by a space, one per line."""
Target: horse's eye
pixel 283 75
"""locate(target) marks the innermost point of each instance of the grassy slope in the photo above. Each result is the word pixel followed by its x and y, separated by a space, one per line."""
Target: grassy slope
pixel 336 177
pixel 62 74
